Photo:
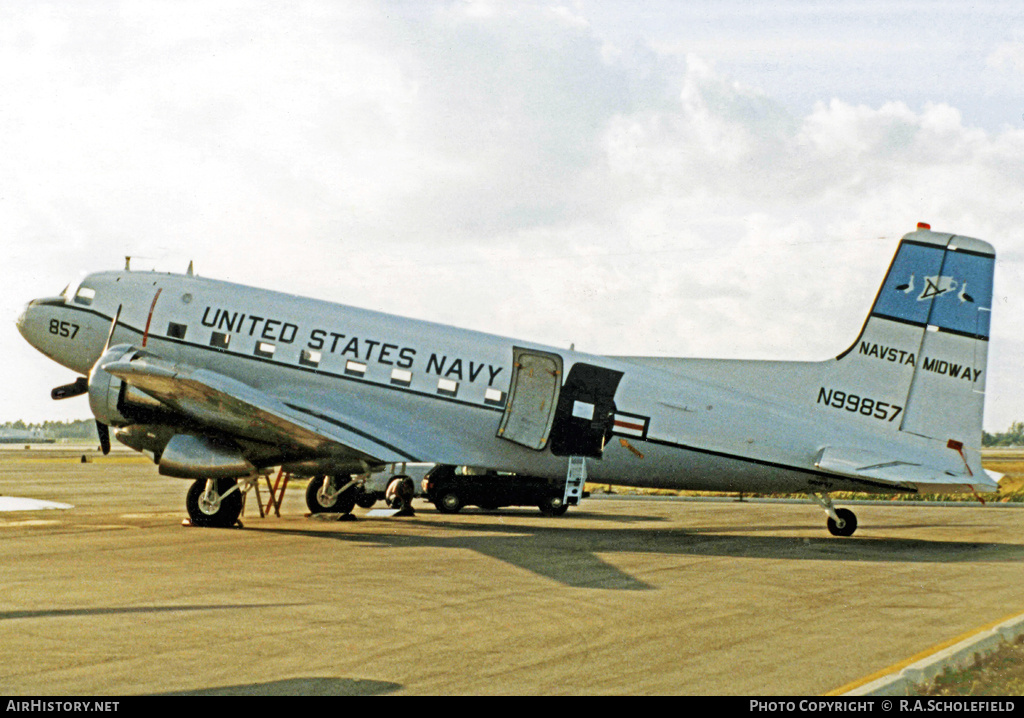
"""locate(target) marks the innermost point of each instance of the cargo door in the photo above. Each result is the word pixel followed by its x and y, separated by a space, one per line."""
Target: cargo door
pixel 532 398
pixel 585 416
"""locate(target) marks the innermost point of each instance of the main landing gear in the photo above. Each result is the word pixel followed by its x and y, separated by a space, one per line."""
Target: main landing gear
pixel 841 522
pixel 332 494
pixel 218 502
pixel 341 493
pixel 214 502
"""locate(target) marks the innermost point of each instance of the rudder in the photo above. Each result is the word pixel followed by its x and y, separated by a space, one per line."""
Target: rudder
pixel 923 350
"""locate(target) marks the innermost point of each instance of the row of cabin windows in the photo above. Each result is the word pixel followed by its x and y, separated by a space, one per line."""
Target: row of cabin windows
pixel 311 358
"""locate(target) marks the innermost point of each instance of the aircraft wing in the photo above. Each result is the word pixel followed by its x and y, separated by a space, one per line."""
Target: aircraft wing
pixel 218 401
pixel 901 473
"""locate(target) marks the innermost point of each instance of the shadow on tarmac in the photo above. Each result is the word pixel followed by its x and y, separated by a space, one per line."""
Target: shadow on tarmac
pixel 80 612
pixel 569 554
pixel 299 687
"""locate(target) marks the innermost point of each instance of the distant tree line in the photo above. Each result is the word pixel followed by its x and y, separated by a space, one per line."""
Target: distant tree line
pixel 80 429
pixel 1013 437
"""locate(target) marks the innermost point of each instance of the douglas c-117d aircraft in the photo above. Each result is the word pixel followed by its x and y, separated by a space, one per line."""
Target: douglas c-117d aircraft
pixel 219 382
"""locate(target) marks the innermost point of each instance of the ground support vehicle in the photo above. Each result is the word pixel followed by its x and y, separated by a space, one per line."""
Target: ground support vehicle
pixel 451 488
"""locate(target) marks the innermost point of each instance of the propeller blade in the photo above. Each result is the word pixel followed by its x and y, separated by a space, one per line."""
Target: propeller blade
pixel 76 388
pixel 113 326
pixel 104 433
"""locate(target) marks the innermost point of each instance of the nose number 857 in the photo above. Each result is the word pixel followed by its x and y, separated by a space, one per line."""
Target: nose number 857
pixel 64 329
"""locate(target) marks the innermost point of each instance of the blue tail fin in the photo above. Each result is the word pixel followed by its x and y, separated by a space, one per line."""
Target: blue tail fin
pixel 925 343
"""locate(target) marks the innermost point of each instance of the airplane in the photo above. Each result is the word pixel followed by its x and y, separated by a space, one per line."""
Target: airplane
pixel 219 382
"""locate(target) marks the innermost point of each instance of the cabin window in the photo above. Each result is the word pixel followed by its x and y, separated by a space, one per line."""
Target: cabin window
pixel 220 340
pixel 355 368
pixel 308 357
pixel 176 331
pixel 85 295
pixel 494 397
pixel 265 350
pixel 401 377
pixel 447 387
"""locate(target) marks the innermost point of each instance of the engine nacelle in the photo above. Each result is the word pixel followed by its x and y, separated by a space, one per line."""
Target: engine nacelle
pixel 187 456
pixel 114 402
pixel 146 438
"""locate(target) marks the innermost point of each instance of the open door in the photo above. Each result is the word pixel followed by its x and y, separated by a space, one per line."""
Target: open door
pixel 532 398
pixel 585 416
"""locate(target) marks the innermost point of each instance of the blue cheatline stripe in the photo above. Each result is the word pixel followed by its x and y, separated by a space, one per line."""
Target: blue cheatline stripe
pixel 930 285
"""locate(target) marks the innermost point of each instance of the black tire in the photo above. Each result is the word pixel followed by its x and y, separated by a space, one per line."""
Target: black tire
pixel 448 502
pixel 343 503
pixel 365 500
pixel 553 506
pixel 849 523
pixel 223 512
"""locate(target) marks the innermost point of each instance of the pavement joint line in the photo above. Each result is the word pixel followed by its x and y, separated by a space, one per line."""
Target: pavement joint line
pixel 963 651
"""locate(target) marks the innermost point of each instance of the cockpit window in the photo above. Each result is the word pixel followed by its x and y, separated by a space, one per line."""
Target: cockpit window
pixel 85 295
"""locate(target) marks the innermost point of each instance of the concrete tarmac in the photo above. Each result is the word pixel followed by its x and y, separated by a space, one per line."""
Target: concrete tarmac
pixel 620 596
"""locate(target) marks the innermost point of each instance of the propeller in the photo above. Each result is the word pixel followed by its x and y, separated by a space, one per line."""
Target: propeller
pixel 104 433
pixel 81 386
pixel 102 429
pixel 113 326
pixel 78 387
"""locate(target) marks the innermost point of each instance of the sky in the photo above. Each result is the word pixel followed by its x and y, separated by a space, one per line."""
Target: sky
pixel 700 179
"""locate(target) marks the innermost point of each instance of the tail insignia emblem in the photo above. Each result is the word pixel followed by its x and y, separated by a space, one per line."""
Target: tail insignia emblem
pixel 937 286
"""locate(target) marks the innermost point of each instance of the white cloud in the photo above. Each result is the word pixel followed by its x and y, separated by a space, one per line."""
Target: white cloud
pixel 505 166
pixel 1009 57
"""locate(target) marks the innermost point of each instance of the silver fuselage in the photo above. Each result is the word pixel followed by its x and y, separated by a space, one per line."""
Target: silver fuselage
pixel 745 426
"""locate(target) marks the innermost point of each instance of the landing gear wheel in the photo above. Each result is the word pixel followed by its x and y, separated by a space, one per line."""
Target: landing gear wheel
pixel 399 494
pixel 319 499
pixel 847 523
pixel 217 507
pixel 553 506
pixel 364 499
pixel 448 502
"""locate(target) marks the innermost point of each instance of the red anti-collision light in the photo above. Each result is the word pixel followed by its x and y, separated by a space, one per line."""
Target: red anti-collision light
pixel 923 225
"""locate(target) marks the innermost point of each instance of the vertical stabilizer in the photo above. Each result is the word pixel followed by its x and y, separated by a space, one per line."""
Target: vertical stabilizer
pixel 921 357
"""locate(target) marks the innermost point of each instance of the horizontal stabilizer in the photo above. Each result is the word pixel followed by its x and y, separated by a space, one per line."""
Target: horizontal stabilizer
pixel 995 475
pixel 900 473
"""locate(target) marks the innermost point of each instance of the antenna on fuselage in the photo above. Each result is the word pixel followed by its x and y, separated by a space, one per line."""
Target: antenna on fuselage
pixel 127 263
pixel 189 272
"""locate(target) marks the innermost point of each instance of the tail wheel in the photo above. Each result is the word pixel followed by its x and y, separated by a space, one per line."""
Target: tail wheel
pixel 846 525
pixel 322 496
pixel 220 506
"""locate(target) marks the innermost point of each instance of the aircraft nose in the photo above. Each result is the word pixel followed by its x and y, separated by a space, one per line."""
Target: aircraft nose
pixel 33 317
pixel 22 321
pixel 71 338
